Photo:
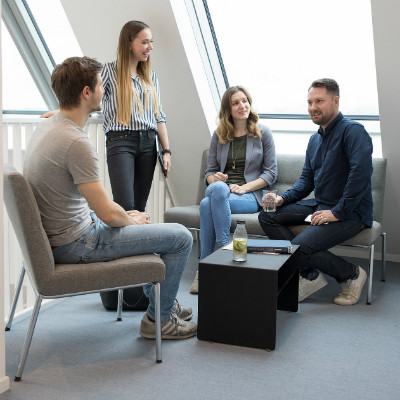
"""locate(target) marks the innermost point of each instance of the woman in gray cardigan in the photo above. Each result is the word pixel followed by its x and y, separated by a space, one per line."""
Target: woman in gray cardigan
pixel 241 163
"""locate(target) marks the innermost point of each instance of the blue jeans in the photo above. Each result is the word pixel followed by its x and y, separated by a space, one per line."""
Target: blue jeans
pixel 314 241
pixel 215 214
pixel 131 159
pixel 103 243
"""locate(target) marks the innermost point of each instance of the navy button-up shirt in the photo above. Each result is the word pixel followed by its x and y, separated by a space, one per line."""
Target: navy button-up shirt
pixel 338 167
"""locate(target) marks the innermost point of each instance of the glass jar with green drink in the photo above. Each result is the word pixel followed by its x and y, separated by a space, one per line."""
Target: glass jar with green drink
pixel 240 242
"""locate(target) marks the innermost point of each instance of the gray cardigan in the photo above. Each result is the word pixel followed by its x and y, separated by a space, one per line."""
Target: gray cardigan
pixel 260 159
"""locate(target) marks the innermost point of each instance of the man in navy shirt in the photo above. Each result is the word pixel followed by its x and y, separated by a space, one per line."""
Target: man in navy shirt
pixel 338 168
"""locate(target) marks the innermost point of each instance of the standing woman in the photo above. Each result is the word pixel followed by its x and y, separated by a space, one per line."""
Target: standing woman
pixel 132 118
pixel 241 162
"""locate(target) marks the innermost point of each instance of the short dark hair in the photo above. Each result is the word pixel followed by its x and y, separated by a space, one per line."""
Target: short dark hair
pixel 330 85
pixel 71 76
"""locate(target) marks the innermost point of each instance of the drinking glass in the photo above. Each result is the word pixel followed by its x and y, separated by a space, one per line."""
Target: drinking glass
pixel 269 197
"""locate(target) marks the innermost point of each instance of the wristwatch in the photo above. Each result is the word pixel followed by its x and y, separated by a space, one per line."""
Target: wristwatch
pixel 166 151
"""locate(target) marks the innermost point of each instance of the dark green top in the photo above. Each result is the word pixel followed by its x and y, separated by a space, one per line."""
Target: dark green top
pixel 236 175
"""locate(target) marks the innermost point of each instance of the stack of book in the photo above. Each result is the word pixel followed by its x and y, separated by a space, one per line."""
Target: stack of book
pixel 269 246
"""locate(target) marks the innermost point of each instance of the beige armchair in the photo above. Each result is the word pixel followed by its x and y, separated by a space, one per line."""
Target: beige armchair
pixel 50 280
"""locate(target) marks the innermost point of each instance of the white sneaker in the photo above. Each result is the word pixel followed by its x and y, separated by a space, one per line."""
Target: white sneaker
pixel 307 287
pixel 174 328
pixel 184 313
pixel 351 290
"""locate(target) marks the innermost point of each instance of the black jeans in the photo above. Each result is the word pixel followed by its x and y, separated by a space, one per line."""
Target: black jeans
pixel 131 159
pixel 314 241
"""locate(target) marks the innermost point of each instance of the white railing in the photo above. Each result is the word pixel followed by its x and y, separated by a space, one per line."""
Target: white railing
pixel 16 134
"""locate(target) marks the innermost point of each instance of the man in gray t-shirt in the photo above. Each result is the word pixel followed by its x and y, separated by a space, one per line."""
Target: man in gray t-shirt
pixel 82 223
pixel 59 158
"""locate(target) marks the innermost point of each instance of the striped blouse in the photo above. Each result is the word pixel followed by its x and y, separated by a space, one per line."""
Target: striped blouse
pixel 137 122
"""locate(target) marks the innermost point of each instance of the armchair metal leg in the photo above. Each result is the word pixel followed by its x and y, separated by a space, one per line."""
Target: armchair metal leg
pixel 16 296
pixel 28 338
pixel 158 322
pixel 198 243
pixel 120 303
pixel 383 269
pixel 370 273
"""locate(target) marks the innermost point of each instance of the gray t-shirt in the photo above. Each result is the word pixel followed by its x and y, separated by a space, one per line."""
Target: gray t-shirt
pixel 59 157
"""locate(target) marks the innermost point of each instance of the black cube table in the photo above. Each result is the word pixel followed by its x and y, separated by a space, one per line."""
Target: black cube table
pixel 238 301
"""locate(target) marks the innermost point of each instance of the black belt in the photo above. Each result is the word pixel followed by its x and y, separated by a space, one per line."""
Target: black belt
pixel 128 132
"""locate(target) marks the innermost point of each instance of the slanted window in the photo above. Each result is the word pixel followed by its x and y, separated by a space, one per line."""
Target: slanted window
pixel 56 29
pixel 19 90
pixel 36 35
pixel 277 48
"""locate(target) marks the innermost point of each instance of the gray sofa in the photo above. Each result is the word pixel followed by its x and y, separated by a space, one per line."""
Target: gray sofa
pixel 289 170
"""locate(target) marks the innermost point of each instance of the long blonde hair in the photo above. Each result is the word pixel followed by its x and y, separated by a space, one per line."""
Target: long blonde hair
pixel 125 89
pixel 225 129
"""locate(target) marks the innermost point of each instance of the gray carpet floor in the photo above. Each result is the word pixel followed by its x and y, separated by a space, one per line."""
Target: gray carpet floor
pixel 323 351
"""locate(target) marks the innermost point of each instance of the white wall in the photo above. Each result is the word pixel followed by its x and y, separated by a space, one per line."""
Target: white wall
pixel 97 26
pixel 386 16
pixel 4 380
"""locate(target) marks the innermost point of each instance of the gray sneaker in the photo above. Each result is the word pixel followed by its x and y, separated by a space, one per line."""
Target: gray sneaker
pixel 307 287
pixel 184 313
pixel 174 328
pixel 351 290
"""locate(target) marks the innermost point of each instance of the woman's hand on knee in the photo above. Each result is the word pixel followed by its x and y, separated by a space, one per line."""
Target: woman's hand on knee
pixel 237 189
pixel 219 176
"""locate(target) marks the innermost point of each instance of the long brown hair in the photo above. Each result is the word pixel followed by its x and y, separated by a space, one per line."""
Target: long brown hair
pixel 125 88
pixel 225 129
